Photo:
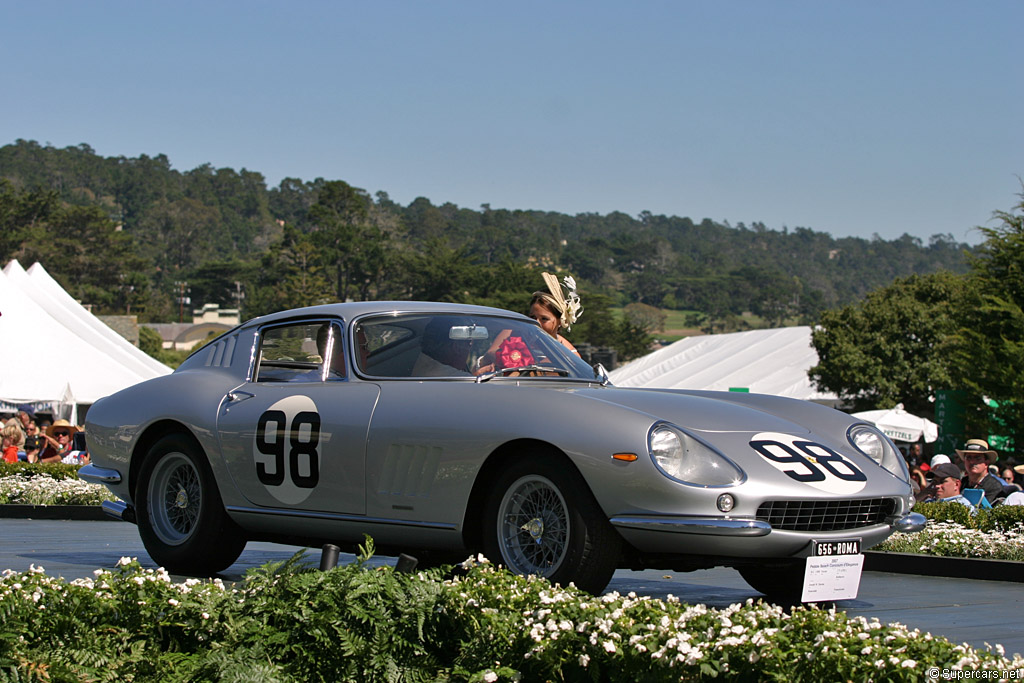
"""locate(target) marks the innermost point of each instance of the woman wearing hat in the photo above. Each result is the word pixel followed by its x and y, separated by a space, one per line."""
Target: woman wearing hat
pixel 558 308
pixel 977 456
pixel 555 310
pixel 58 441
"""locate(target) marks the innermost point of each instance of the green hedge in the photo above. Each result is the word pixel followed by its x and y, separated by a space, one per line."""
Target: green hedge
pixel 1000 518
pixel 56 470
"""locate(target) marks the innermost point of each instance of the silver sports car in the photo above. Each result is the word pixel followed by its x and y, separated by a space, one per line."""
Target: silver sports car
pixel 445 429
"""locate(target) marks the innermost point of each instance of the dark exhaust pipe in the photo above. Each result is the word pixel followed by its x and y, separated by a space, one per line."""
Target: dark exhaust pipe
pixel 120 510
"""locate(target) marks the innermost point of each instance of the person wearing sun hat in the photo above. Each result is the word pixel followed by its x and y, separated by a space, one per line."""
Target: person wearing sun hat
pixel 558 308
pixel 977 456
pixel 58 441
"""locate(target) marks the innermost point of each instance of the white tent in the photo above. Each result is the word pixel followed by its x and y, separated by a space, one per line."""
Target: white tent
pixel 55 356
pixel 760 361
pixel 898 424
pixel 47 293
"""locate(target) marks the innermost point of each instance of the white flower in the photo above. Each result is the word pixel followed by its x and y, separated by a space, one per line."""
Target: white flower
pixel 490 676
pixel 584 660
pixel 609 646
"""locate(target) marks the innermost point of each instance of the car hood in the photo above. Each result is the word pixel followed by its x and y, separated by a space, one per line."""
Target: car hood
pixel 704 412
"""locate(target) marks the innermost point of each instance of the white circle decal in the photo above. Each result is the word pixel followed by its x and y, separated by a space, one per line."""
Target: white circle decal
pixel 286 449
pixel 809 462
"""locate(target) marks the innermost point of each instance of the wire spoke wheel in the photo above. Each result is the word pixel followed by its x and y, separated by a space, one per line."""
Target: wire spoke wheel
pixel 175 499
pixel 533 526
pixel 181 517
pixel 540 518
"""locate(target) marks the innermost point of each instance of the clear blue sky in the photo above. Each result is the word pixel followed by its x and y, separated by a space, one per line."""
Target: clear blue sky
pixel 852 118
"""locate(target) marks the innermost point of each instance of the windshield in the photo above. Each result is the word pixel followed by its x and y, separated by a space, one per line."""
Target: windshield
pixel 451 345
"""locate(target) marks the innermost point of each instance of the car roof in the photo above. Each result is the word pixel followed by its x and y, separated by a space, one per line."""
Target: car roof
pixel 354 309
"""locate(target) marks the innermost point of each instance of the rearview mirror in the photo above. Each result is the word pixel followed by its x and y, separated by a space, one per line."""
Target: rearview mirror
pixel 467 332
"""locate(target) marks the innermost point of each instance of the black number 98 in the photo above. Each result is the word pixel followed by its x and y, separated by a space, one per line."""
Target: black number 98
pixel 272 440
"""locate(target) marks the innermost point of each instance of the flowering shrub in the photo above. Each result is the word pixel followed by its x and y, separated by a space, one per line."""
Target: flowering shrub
pixel 288 622
pixel 995 534
pixel 951 539
pixel 44 489
pixel 539 632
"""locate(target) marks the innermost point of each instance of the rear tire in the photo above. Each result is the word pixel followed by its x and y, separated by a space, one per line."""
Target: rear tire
pixel 541 519
pixel 181 517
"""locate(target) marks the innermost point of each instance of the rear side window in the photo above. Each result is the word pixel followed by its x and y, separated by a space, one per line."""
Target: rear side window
pixel 310 351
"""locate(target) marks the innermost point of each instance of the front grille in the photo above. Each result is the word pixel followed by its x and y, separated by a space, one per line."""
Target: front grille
pixel 826 515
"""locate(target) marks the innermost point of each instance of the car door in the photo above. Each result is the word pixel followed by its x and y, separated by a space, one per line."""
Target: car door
pixel 294 435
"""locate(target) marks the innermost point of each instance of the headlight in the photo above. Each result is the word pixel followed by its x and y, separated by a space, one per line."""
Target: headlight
pixel 683 458
pixel 876 446
pixel 867 441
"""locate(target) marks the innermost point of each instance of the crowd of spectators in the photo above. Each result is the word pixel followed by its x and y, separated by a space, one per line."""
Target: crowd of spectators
pixel 973 477
pixel 27 438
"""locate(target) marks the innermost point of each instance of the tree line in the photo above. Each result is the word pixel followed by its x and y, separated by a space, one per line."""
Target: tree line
pixel 135 235
pixel 923 336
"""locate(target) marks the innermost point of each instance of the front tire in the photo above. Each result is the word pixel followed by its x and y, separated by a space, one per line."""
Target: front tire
pixel 181 517
pixel 541 519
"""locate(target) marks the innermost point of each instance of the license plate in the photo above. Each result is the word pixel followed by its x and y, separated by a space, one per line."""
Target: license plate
pixel 841 546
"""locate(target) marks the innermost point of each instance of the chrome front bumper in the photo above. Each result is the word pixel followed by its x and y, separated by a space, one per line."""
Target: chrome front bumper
pixel 99 475
pixel 909 523
pixel 708 526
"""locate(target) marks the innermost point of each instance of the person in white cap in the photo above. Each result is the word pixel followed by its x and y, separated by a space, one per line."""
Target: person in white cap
pixel 977 456
pixel 939 459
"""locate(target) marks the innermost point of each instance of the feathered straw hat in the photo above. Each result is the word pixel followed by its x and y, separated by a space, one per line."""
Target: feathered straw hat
pixel 979 447
pixel 567 304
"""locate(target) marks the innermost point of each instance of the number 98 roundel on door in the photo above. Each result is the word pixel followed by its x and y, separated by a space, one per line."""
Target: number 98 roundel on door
pixel 286 449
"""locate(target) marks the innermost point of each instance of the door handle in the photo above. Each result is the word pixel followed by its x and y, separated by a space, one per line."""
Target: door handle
pixel 238 396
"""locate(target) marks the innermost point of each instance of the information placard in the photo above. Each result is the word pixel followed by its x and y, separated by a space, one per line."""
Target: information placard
pixel 833 577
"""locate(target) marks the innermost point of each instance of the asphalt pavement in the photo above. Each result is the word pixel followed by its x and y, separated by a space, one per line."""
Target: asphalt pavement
pixel 964 610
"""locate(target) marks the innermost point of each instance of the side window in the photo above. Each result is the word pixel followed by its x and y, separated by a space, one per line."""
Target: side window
pixel 310 351
pixel 385 347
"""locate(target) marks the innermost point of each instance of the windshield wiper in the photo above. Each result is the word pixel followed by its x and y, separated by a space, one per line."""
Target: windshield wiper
pixel 505 372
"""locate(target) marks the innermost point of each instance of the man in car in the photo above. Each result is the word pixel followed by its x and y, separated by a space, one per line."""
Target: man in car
pixel 440 355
